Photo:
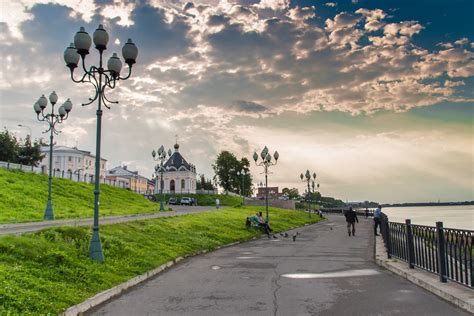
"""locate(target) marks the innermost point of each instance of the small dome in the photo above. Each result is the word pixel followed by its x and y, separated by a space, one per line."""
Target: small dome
pixel 176 146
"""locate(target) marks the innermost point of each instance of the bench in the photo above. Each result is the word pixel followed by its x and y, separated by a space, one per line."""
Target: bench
pixel 252 222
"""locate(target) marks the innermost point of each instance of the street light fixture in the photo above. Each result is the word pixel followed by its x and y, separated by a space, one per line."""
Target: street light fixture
pixel 160 155
pixel 307 178
pixel 52 119
pixel 101 79
pixel 266 162
pixel 26 126
pixel 243 173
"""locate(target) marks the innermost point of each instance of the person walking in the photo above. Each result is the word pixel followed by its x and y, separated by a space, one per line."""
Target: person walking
pixel 366 213
pixel 377 216
pixel 218 203
pixel 351 218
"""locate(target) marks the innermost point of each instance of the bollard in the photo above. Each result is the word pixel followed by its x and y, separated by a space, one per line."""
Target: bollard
pixel 441 251
pixel 410 245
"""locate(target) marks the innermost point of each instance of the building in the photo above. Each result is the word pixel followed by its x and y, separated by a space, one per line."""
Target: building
pixel 179 176
pixel 132 179
pixel 69 160
pixel 272 193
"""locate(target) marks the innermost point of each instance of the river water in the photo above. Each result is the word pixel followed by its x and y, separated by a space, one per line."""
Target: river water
pixel 461 217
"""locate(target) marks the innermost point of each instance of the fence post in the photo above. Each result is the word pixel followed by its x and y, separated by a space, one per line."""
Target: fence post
pixel 441 251
pixel 387 239
pixel 410 246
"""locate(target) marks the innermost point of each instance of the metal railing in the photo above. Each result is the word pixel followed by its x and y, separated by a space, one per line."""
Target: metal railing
pixel 447 252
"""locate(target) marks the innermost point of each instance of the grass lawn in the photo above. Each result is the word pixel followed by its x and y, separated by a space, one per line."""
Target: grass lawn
pixel 23 198
pixel 48 271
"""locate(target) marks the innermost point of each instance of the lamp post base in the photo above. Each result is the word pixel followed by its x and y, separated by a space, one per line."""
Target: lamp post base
pixel 162 208
pixel 95 250
pixel 48 213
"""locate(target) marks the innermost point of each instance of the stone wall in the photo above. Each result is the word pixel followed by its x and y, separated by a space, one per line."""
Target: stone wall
pixel 288 204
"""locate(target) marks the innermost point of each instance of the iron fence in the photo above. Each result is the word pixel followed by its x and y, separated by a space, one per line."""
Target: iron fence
pixel 447 252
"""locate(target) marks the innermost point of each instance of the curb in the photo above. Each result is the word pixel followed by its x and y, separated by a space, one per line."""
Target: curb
pixel 106 295
pixel 451 292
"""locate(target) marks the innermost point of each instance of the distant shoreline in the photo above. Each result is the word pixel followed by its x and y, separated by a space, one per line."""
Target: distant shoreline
pixel 429 204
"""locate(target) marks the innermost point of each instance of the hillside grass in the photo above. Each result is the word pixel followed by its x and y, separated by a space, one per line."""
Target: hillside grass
pixel 23 198
pixel 48 271
pixel 207 199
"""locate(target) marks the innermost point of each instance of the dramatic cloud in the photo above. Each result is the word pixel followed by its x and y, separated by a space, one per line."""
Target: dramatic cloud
pixel 206 68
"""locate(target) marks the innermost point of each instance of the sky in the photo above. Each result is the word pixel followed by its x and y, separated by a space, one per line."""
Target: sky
pixel 376 97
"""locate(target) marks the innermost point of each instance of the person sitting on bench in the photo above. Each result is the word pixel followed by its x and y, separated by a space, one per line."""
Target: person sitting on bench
pixel 262 223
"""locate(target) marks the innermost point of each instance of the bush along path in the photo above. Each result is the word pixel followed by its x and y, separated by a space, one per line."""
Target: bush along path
pixel 48 271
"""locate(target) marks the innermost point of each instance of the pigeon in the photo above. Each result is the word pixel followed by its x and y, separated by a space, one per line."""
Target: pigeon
pixel 275 237
pixel 286 235
pixel 294 237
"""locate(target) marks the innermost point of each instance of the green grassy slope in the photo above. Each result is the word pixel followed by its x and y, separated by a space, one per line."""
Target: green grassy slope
pixel 23 198
pixel 48 271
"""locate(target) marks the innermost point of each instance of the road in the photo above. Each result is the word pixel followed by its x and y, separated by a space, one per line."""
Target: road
pixel 18 229
pixel 324 272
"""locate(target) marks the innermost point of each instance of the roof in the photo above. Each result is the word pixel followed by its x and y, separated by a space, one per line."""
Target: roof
pixel 123 172
pixel 65 149
pixel 177 162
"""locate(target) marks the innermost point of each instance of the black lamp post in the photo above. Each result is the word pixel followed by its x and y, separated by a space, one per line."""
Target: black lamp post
pixel 307 178
pixel 52 119
pixel 266 162
pixel 243 173
pixel 100 79
pixel 160 155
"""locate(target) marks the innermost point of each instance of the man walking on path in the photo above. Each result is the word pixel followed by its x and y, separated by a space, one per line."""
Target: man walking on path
pixel 377 215
pixel 351 218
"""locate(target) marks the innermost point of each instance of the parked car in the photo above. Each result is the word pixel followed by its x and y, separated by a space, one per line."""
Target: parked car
pixel 186 201
pixel 173 201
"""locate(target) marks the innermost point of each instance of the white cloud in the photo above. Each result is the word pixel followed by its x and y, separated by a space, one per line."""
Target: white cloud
pixel 276 5
pixel 330 4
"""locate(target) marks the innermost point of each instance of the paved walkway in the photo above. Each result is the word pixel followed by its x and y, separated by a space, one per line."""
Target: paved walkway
pixel 324 272
pixel 22 228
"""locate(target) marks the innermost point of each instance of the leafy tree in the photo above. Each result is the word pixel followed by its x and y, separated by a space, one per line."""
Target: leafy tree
pixel 13 150
pixel 291 193
pixel 30 154
pixel 203 183
pixel 9 147
pixel 227 168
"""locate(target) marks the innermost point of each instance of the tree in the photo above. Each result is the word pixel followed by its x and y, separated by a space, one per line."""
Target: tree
pixel 291 193
pixel 227 168
pixel 204 184
pixel 9 147
pixel 13 150
pixel 30 154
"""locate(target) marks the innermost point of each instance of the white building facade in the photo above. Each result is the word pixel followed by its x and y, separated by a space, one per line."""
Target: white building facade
pixel 179 176
pixel 72 160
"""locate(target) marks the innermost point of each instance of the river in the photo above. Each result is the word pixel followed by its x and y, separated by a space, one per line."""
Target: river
pixel 461 217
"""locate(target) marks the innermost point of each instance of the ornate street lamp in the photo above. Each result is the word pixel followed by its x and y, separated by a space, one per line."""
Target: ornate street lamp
pixel 160 155
pixel 243 173
pixel 266 162
pixel 101 79
pixel 307 178
pixel 52 119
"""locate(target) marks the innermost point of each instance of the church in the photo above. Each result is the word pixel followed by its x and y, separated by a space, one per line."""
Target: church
pixel 179 176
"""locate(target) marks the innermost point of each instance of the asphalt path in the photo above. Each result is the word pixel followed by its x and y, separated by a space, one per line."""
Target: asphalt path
pixel 324 272
pixel 21 228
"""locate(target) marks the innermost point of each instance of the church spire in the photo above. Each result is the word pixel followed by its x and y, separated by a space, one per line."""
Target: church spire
pixel 176 146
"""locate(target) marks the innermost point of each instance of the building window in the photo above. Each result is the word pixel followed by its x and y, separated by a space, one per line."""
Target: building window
pixel 172 187
pixel 183 184
pixel 69 158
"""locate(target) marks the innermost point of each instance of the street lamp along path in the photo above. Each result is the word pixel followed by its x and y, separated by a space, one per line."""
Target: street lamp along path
pixel 307 178
pixel 266 162
pixel 52 119
pixel 160 155
pixel 101 79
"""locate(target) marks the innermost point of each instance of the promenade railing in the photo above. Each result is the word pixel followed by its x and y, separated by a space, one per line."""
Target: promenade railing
pixel 447 252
